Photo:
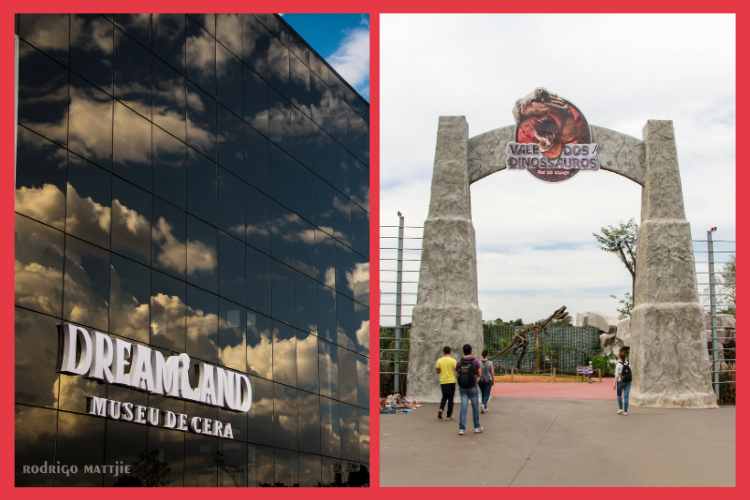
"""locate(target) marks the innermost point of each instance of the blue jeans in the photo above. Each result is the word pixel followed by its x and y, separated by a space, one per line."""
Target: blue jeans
pixel 467 394
pixel 485 387
pixel 623 387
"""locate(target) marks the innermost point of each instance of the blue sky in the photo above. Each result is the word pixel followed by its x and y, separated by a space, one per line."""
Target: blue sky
pixel 342 40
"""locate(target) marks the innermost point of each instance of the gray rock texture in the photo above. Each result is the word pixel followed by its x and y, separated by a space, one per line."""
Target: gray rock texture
pixel 725 329
pixel 604 323
pixel 668 349
pixel 447 310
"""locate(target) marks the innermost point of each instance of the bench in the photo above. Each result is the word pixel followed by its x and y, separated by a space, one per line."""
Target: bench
pixel 583 371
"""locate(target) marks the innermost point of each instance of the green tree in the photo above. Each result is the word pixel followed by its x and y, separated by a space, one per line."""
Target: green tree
pixel 621 240
pixel 727 293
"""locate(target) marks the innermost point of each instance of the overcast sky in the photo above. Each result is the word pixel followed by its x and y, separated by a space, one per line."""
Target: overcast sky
pixel 535 247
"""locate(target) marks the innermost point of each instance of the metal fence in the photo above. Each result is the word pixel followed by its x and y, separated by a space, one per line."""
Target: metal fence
pixel 557 346
pixel 717 291
pixel 400 255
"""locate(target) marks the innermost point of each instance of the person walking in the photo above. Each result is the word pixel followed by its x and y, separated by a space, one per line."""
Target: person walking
pixel 623 381
pixel 487 380
pixel 467 374
pixel 591 370
pixel 446 367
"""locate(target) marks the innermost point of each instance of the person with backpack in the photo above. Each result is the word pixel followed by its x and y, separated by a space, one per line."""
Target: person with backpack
pixel 446 367
pixel 486 381
pixel 623 381
pixel 467 373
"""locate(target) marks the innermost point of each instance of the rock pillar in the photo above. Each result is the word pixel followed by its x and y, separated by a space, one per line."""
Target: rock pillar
pixel 671 367
pixel 447 310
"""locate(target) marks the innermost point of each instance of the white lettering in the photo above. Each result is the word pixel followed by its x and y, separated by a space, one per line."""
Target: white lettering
pixel 186 391
pixel 166 374
pixel 122 351
pixel 217 428
pixel 141 374
pixel 170 419
pixel 195 423
pixel 181 419
pixel 127 408
pixel 71 336
pixel 103 354
pixel 114 410
pixel 153 416
pixel 140 412
pixel 206 383
pixel 97 406
pixel 228 431
pixel 247 393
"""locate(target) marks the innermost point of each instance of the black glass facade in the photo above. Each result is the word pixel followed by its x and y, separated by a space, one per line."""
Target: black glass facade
pixel 198 184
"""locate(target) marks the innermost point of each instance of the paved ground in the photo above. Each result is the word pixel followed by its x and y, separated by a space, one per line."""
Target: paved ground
pixel 596 390
pixel 560 442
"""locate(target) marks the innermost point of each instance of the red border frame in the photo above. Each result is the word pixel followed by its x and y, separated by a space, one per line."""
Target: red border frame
pixel 373 8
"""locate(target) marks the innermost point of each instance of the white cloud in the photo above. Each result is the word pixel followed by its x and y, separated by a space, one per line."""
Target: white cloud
pixel 352 58
pixel 620 70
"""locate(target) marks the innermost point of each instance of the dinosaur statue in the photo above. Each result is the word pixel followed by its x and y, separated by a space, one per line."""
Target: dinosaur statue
pixel 520 342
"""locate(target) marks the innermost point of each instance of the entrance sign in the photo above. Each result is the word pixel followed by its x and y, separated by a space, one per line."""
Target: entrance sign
pixel 105 359
pixel 553 139
pixel 668 351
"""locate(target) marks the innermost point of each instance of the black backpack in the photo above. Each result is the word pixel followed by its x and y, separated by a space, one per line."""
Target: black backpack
pixel 467 373
pixel 627 373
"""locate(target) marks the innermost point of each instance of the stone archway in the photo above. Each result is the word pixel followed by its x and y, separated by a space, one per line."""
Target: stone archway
pixel 668 349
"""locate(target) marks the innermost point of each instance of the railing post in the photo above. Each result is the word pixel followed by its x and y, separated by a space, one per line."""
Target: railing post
pixel 712 291
pixel 399 273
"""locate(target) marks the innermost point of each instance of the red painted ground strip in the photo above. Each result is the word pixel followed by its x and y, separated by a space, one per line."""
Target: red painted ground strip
pixel 544 390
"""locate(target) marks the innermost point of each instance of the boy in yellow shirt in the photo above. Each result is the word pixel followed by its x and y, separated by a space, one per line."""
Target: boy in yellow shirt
pixel 446 367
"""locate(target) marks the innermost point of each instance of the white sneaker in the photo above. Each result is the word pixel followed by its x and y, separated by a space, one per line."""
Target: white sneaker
pixel 486 410
pixel 626 414
pixel 619 412
pixel 481 408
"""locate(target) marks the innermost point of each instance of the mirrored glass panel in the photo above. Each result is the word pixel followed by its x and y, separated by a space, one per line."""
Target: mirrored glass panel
pixel 132 146
pixel 303 192
pixel 304 246
pixel 338 119
pixel 284 417
pixel 126 445
pixel 202 255
pixel 169 239
pixel 169 39
pixel 201 460
pixel 34 443
pixel 283 293
pixel 359 178
pixel 340 161
pixel 169 167
pixel 231 268
pixel 278 66
pixel 39 258
pixel 132 68
pixel 328 369
pixel 362 326
pixel 91 47
pixel 257 219
pixel 326 311
pixel 257 171
pixel 320 97
pixel 169 96
pixel 90 123
pixel 86 289
pixel 330 428
pixel 279 120
pixel 136 25
pixel 130 298
pixel 343 269
pixel 231 461
pixel 42 94
pixel 230 138
pixel 202 325
pixel 299 84
pixel 229 79
pixel 260 464
pixel 345 322
pixel 229 32
pixel 258 274
pixel 305 306
pixel 354 475
pixel 168 312
pixel 349 432
pixel 259 345
pixel 41 169
pixel 36 378
pixel 207 21
pixel 49 33
pixel 255 101
pixel 72 430
pixel 169 448
pixel 255 45
pixel 323 205
pixel 287 468
pixel 364 435
pixel 356 131
pixel 260 423
pixel 201 121
pixel 281 186
pixel 231 204
pixel 347 376
pixel 282 234
pixel 309 470
pixel 131 221
pixel 232 328
pixel 360 230
pixel 200 57
pixel 307 362
pixel 301 137
pixel 363 382
pixel 88 210
pixel 284 354
pixel 201 187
